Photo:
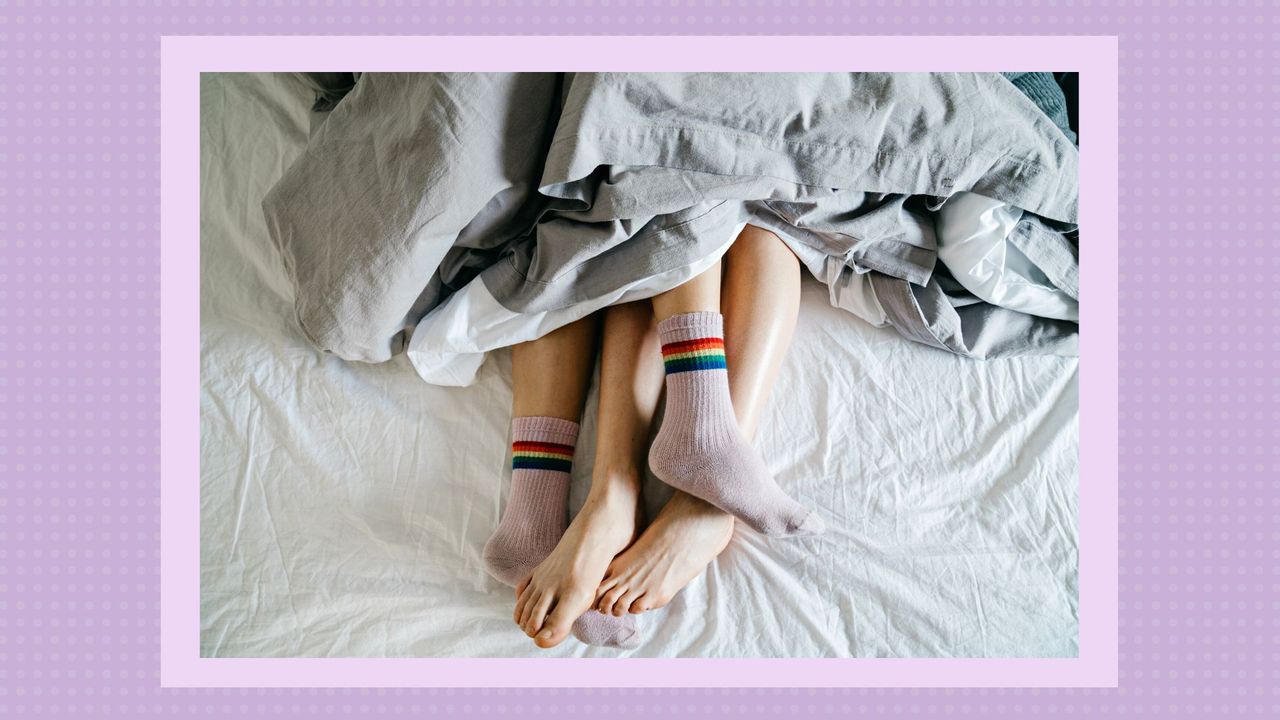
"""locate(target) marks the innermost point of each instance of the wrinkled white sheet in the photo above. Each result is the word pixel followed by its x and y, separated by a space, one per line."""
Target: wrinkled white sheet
pixel 971 243
pixel 343 506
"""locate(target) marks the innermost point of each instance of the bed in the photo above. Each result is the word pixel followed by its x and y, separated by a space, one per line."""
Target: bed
pixel 344 505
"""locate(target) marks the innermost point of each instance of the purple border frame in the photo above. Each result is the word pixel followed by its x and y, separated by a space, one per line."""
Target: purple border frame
pixel 79 351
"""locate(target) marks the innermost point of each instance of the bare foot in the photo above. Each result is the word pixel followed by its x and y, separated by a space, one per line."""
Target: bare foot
pixel 685 537
pixel 563 586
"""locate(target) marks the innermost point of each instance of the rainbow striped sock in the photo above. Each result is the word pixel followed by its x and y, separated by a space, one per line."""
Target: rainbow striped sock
pixel 540 455
pixel 537 506
pixel 700 449
pixel 699 353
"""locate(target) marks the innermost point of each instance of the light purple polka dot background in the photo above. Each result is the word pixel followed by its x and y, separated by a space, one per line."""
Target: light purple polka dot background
pixel 79 350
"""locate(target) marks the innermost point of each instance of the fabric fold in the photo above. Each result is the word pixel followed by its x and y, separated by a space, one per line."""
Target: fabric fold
pixel 557 191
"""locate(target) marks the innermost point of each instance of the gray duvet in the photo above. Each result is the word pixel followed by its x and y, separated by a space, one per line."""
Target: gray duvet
pixel 555 189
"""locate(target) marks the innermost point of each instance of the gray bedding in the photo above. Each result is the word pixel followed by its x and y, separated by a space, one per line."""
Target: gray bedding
pixel 554 189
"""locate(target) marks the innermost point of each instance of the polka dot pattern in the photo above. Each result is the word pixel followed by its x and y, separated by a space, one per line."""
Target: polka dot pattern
pixel 79 350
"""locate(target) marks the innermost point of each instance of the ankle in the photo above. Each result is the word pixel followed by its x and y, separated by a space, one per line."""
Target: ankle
pixel 612 485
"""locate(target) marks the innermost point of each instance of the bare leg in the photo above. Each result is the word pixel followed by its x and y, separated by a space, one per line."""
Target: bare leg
pixel 761 298
pixel 566 355
pixel 701 293
pixel 563 586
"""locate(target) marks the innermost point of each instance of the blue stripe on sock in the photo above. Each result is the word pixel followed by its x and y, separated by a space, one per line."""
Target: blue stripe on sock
pixel 527 463
pixel 689 365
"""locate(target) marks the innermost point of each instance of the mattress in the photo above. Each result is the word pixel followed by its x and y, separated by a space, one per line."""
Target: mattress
pixel 344 505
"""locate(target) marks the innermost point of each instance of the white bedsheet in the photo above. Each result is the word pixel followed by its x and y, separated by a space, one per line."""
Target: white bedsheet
pixel 343 506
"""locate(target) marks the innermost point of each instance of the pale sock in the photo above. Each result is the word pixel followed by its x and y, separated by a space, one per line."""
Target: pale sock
pixel 536 517
pixel 596 628
pixel 700 448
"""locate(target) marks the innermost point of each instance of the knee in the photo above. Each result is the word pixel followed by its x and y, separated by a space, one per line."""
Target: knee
pixel 761 245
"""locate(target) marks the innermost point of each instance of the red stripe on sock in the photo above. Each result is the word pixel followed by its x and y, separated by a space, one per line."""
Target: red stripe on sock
pixel 695 344
pixel 534 446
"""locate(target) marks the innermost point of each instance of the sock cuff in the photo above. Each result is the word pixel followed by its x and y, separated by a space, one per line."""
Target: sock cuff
pixel 547 429
pixel 691 326
pixel 692 341
pixel 543 443
pixel 533 491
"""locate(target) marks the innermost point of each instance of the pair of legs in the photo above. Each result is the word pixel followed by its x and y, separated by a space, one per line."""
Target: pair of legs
pixel 600 562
